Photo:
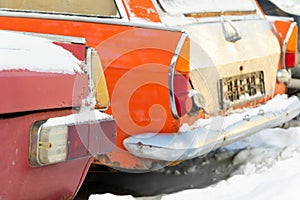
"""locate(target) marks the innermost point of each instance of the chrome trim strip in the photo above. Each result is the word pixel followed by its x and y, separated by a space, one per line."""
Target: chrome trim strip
pixel 112 21
pixel 285 42
pixel 279 18
pixel 213 133
pixel 158 8
pixel 58 38
pixel 88 64
pixel 171 74
pixel 121 10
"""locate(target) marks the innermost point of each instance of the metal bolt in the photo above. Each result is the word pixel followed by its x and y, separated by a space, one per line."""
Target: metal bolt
pixel 261 112
pixel 246 117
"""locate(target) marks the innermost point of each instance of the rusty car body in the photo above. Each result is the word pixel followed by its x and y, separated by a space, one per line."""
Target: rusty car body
pixel 183 78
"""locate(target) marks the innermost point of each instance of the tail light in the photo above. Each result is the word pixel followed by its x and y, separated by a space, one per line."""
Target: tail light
pixel 289 41
pixel 70 137
pixel 179 78
pixel 98 85
pixel 181 90
pixel 289 48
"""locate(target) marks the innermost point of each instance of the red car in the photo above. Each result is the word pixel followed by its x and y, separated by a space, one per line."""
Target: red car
pixel 50 130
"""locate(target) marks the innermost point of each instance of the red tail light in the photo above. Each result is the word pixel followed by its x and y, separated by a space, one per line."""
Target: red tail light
pixel 290 60
pixel 289 47
pixel 90 139
pixel 181 88
pixel 70 137
pixel 288 37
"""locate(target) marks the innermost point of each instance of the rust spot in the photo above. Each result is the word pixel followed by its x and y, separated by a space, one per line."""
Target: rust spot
pixel 140 145
pixel 172 164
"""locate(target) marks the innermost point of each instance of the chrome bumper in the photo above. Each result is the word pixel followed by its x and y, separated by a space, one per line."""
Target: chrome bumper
pixel 206 135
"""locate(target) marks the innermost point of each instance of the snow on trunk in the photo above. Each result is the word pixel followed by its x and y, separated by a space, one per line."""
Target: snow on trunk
pixel 23 52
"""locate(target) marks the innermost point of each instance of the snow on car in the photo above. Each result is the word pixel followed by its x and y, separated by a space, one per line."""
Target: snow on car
pixel 24 47
pixel 236 60
pixel 169 64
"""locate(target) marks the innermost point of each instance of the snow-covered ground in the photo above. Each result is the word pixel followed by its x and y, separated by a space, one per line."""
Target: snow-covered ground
pixel 269 169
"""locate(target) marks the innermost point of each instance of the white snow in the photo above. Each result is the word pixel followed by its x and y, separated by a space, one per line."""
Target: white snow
pixel 270 169
pixel 85 115
pixel 23 52
pixel 173 13
pixel 289 6
pixel 278 104
pixel 175 7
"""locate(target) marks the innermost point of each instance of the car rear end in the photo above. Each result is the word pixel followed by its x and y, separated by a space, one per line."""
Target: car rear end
pixel 237 58
pixel 50 129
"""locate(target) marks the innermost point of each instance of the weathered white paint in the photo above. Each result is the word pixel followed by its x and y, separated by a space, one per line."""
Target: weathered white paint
pixel 212 57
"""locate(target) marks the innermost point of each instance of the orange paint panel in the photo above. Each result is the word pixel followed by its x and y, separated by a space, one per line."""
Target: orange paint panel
pixel 140 96
pixel 93 32
pixel 280 88
pixel 282 28
pixel 142 9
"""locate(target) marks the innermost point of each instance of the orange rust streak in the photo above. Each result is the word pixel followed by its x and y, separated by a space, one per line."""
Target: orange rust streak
pixel 217 14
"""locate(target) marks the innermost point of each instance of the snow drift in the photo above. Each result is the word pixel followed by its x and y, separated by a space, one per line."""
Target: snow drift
pixel 269 169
